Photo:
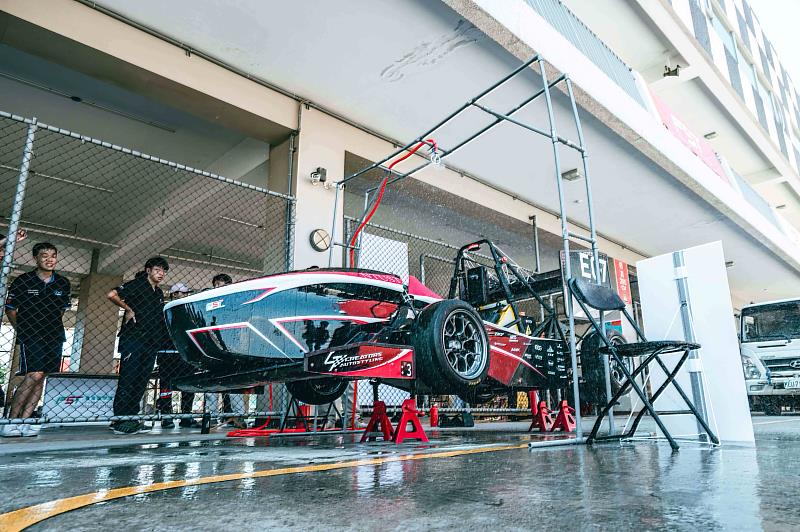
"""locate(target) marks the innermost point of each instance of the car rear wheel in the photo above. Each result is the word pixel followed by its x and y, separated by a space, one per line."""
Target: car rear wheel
pixel 451 347
pixel 593 369
pixel 479 396
pixel 317 391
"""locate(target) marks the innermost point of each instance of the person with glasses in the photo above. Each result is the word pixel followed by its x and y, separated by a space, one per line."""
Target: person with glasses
pixel 140 337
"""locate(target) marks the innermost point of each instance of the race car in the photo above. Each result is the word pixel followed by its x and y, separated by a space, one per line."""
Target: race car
pixel 317 329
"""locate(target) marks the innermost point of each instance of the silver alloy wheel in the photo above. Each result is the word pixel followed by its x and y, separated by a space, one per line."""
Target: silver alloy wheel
pixel 616 373
pixel 464 348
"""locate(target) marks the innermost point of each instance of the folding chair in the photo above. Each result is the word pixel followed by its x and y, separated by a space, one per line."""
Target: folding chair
pixel 597 297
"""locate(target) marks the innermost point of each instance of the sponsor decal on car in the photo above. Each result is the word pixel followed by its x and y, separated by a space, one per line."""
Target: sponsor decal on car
pixel 365 361
pixel 214 305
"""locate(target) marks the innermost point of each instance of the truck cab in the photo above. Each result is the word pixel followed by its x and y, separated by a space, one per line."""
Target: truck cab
pixel 770 350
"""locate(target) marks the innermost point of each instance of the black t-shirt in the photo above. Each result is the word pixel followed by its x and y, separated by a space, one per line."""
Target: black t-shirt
pixel 148 306
pixel 39 306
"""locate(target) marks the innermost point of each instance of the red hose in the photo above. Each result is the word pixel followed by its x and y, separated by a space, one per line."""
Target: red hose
pixel 380 196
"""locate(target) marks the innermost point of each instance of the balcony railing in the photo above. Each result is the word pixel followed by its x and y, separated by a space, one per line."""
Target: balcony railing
pixel 570 26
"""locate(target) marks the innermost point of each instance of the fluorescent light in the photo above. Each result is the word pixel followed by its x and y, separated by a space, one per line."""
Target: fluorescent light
pixel 572 175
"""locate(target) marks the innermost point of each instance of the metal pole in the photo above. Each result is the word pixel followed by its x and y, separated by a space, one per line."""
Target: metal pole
pixel 333 226
pixel 586 179
pixel 361 234
pixel 592 238
pixel 449 117
pixel 565 240
pixel 289 259
pixel 454 149
pixel 16 213
pixel 695 370
pixel 536 244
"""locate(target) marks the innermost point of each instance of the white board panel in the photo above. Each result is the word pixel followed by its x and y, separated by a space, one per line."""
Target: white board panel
pixel 714 329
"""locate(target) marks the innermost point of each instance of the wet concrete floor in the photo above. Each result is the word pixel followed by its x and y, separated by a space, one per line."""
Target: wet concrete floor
pixel 444 485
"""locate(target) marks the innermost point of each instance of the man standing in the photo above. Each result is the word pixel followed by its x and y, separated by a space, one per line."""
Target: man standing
pixel 35 307
pixel 141 335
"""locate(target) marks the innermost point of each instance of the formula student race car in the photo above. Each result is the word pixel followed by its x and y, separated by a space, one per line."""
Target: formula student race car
pixel 317 329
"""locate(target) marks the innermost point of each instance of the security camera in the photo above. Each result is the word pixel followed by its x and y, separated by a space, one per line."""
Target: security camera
pixel 319 176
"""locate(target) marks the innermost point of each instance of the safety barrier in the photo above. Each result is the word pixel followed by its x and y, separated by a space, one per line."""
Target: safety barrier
pixel 102 211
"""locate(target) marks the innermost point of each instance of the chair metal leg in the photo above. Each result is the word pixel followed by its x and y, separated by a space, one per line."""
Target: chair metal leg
pixel 644 399
pixel 670 376
pixel 622 391
pixel 690 404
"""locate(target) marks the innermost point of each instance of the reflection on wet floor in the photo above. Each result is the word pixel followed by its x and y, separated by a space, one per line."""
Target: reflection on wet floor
pixel 634 485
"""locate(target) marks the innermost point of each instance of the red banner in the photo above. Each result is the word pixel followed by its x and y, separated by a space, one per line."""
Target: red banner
pixel 699 146
pixel 622 281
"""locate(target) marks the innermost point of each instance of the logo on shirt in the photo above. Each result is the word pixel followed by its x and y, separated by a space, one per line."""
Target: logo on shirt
pixel 213 305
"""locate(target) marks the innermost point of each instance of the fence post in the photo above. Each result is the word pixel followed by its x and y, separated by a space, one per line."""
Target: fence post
pixel 16 213
pixel 289 259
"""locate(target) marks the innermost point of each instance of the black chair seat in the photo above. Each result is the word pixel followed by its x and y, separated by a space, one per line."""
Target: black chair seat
pixel 645 348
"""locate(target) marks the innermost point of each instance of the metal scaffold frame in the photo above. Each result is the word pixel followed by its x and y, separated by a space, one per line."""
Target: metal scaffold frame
pixel 439 153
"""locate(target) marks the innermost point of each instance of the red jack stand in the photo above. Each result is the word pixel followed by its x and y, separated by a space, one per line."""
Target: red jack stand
pixel 542 418
pixel 410 415
pixel 378 422
pixel 565 420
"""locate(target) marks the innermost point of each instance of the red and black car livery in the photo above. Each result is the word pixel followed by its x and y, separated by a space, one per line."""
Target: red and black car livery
pixel 314 329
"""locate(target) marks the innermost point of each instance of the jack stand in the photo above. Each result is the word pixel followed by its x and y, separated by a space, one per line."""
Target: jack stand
pixel 378 422
pixel 565 420
pixel 542 418
pixel 410 415
pixel 302 413
pixel 299 420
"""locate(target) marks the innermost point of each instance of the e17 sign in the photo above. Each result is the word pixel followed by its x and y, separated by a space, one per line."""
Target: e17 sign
pixel 582 266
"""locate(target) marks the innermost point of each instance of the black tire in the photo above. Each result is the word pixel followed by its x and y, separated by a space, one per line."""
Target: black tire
pixel 773 407
pixel 317 391
pixel 451 348
pixel 592 368
pixel 479 396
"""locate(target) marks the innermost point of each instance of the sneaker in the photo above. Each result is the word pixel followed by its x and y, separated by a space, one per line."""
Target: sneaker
pixel 30 430
pixel 190 424
pixel 125 427
pixel 11 430
pixel 167 424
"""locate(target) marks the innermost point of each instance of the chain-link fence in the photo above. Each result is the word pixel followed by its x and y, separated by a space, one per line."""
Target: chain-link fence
pixel 432 263
pixel 84 303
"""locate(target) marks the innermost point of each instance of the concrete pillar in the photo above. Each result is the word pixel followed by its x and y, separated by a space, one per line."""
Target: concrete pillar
pixel 96 326
pixel 321 144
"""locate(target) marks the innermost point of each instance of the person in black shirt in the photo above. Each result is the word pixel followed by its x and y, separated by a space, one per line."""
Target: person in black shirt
pixel 35 306
pixel 140 337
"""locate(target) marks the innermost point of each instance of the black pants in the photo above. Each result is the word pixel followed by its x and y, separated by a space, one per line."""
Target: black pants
pixel 170 367
pixel 135 369
pixel 164 403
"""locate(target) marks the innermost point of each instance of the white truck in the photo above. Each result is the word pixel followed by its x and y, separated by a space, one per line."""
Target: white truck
pixel 770 349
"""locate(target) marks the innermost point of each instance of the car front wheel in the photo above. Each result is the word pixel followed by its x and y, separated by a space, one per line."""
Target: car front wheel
pixel 451 347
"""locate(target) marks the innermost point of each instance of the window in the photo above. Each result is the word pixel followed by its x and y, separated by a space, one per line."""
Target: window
pixel 778 321
pixel 725 36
